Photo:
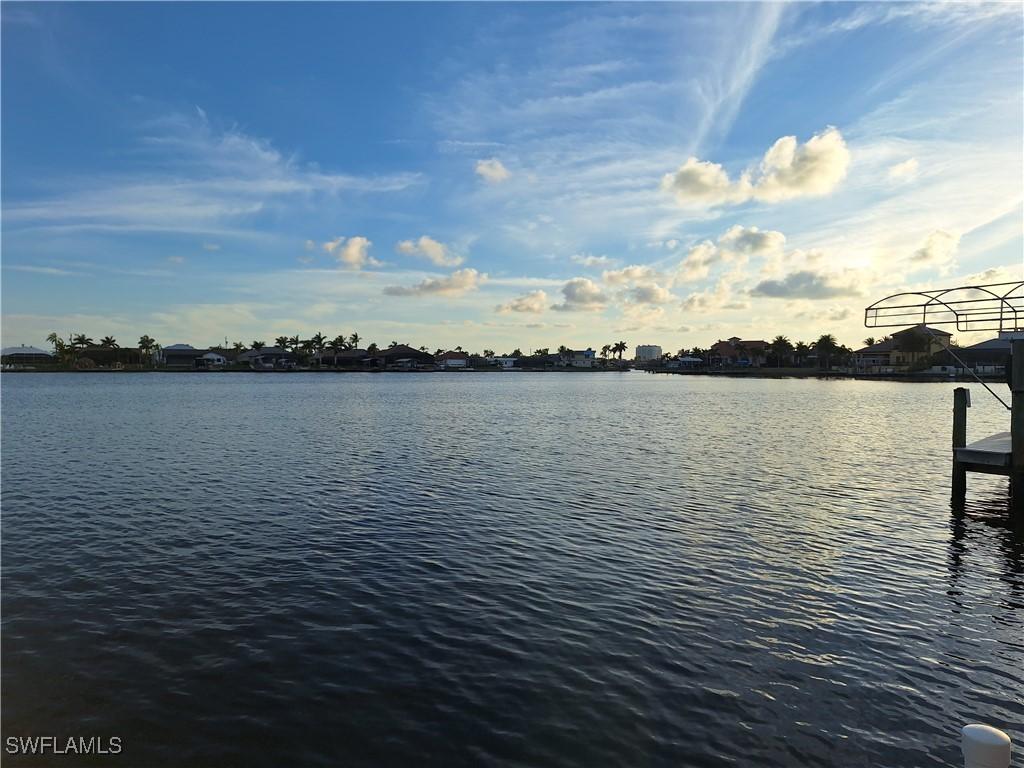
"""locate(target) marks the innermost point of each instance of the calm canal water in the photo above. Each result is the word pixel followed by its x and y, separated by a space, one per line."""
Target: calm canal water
pixel 502 569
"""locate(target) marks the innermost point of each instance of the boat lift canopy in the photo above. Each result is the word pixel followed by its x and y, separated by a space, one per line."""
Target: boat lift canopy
pixel 993 307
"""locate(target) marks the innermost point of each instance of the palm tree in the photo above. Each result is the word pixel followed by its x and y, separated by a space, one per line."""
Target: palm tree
pixel 81 340
pixel 392 345
pixel 257 345
pixel 459 348
pixel 517 352
pixel 869 341
pixel 605 350
pixel 619 348
pixel 372 349
pixel 354 340
pixel 319 341
pixel 338 343
pixel 825 347
pixel 423 349
pixel 238 346
pixel 801 350
pixel 281 342
pixel 488 353
pixel 295 343
pixel 781 347
pixel 60 348
pixel 110 342
pixel 541 351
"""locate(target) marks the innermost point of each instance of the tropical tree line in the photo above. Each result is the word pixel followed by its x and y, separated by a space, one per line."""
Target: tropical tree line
pixel 824 352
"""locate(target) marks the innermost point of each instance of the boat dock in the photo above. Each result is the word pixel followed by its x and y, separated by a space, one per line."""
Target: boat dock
pixel 998 454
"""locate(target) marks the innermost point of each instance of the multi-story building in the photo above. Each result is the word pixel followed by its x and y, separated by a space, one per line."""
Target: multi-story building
pixel 647 352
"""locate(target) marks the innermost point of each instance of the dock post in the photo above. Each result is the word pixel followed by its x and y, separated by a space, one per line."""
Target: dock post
pixel 1017 426
pixel 961 401
pixel 984 747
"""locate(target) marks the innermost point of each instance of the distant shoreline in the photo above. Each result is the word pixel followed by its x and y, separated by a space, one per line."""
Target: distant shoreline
pixel 798 373
pixel 754 373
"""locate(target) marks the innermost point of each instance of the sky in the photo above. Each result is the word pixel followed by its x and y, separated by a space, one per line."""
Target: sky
pixel 502 175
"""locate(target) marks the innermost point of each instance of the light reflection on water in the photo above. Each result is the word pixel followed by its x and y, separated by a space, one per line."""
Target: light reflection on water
pixel 511 568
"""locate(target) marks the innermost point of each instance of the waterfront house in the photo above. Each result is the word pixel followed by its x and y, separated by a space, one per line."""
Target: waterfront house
pixel 538 362
pixel 401 357
pixel 904 350
pixel 577 358
pixel 180 356
pixel 342 358
pixel 211 361
pixel 685 363
pixel 452 360
pixel 986 357
pixel 23 355
pixel 267 357
pixel 108 357
pixel 505 363
pixel 737 351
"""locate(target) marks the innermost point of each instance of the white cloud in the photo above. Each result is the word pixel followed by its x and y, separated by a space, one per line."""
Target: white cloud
pixel 703 182
pixel 212 247
pixel 936 253
pixel 353 252
pixel 635 273
pixel 492 170
pixel 788 170
pixel 533 302
pixel 717 298
pixel 309 245
pixel 808 284
pixel 457 283
pixel 903 171
pixel 698 261
pixel 587 260
pixel 427 247
pixel 581 294
pixel 814 169
pixel 176 259
pixel 649 294
pixel 751 240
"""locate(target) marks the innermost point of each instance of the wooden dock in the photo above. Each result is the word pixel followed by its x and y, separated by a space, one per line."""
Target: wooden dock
pixel 998 454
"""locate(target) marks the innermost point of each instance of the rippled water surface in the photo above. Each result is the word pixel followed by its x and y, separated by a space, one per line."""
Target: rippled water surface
pixel 503 569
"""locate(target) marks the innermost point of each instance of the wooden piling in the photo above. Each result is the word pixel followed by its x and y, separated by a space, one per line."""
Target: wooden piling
pixel 961 399
pixel 1017 426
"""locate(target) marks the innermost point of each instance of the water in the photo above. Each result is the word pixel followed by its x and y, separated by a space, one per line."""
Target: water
pixel 506 569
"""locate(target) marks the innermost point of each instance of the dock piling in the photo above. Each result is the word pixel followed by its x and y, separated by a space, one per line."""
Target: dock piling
pixel 961 402
pixel 985 747
pixel 1017 425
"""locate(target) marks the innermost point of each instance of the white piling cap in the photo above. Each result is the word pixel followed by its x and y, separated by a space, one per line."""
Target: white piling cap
pixel 985 747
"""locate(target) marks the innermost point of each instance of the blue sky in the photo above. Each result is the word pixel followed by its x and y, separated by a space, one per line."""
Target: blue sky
pixel 501 175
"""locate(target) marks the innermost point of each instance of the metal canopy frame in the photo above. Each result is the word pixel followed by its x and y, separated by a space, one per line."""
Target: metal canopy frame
pixel 993 307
